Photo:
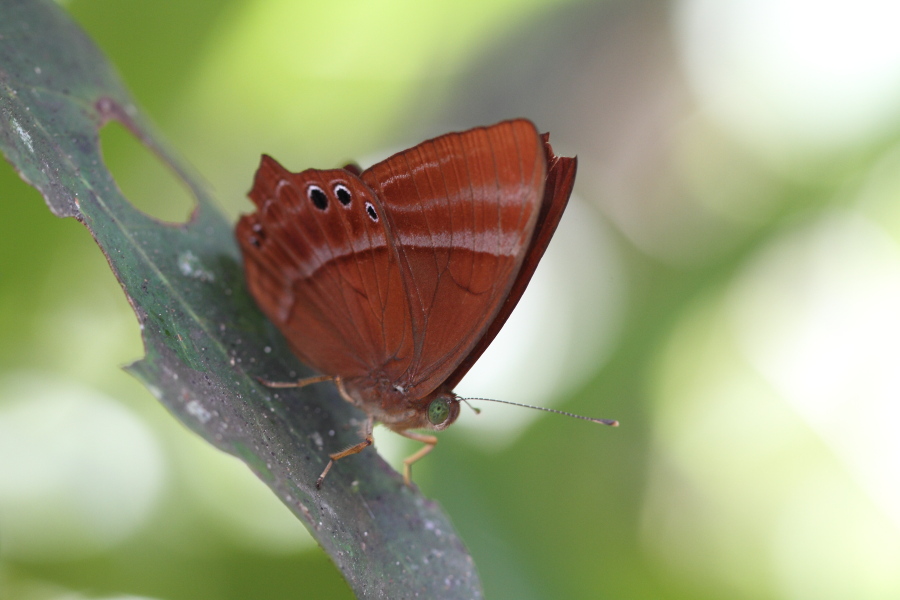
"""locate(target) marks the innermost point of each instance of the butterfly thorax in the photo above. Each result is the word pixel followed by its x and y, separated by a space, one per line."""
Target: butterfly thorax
pixel 397 407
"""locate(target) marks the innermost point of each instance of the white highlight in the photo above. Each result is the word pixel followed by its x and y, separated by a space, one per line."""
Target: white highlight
pixel 828 298
pixel 190 266
pixel 196 409
pixel 79 473
pixel 24 135
pixel 795 76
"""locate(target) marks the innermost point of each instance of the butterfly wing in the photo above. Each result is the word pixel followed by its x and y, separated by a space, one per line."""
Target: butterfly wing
pixel 558 188
pixel 321 264
pixel 462 209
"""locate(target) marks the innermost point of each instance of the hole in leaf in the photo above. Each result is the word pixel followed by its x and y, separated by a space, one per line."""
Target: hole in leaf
pixel 145 180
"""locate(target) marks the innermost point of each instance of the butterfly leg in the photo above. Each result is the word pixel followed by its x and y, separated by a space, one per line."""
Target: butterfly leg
pixel 428 440
pixel 355 449
pixel 294 384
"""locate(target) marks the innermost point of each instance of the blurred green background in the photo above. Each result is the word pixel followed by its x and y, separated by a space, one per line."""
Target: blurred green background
pixel 726 283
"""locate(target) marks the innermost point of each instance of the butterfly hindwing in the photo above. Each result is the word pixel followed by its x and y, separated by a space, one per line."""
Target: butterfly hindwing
pixel 321 264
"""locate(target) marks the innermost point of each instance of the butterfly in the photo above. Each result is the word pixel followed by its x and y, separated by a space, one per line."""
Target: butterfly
pixel 391 282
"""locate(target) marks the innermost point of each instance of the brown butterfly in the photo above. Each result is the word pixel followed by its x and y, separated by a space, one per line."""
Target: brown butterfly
pixel 393 281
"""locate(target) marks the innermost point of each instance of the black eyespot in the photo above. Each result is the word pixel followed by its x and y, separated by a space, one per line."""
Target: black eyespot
pixel 371 212
pixel 342 193
pixel 258 236
pixel 318 197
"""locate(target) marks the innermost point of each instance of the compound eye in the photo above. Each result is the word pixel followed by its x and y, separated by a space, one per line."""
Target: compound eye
pixel 438 411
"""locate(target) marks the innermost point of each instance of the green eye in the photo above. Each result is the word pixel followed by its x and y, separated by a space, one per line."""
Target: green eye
pixel 438 411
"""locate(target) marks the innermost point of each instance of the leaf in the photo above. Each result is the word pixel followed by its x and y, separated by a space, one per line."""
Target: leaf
pixel 204 338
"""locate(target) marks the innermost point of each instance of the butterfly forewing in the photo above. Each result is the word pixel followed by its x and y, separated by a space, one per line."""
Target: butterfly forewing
pixel 326 271
pixel 462 210
pixel 558 188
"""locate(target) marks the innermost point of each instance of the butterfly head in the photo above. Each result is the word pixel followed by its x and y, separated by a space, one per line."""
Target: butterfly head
pixel 442 410
pixel 436 411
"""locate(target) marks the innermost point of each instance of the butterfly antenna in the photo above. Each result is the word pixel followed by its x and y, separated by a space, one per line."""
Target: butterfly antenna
pixel 610 422
pixel 475 409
